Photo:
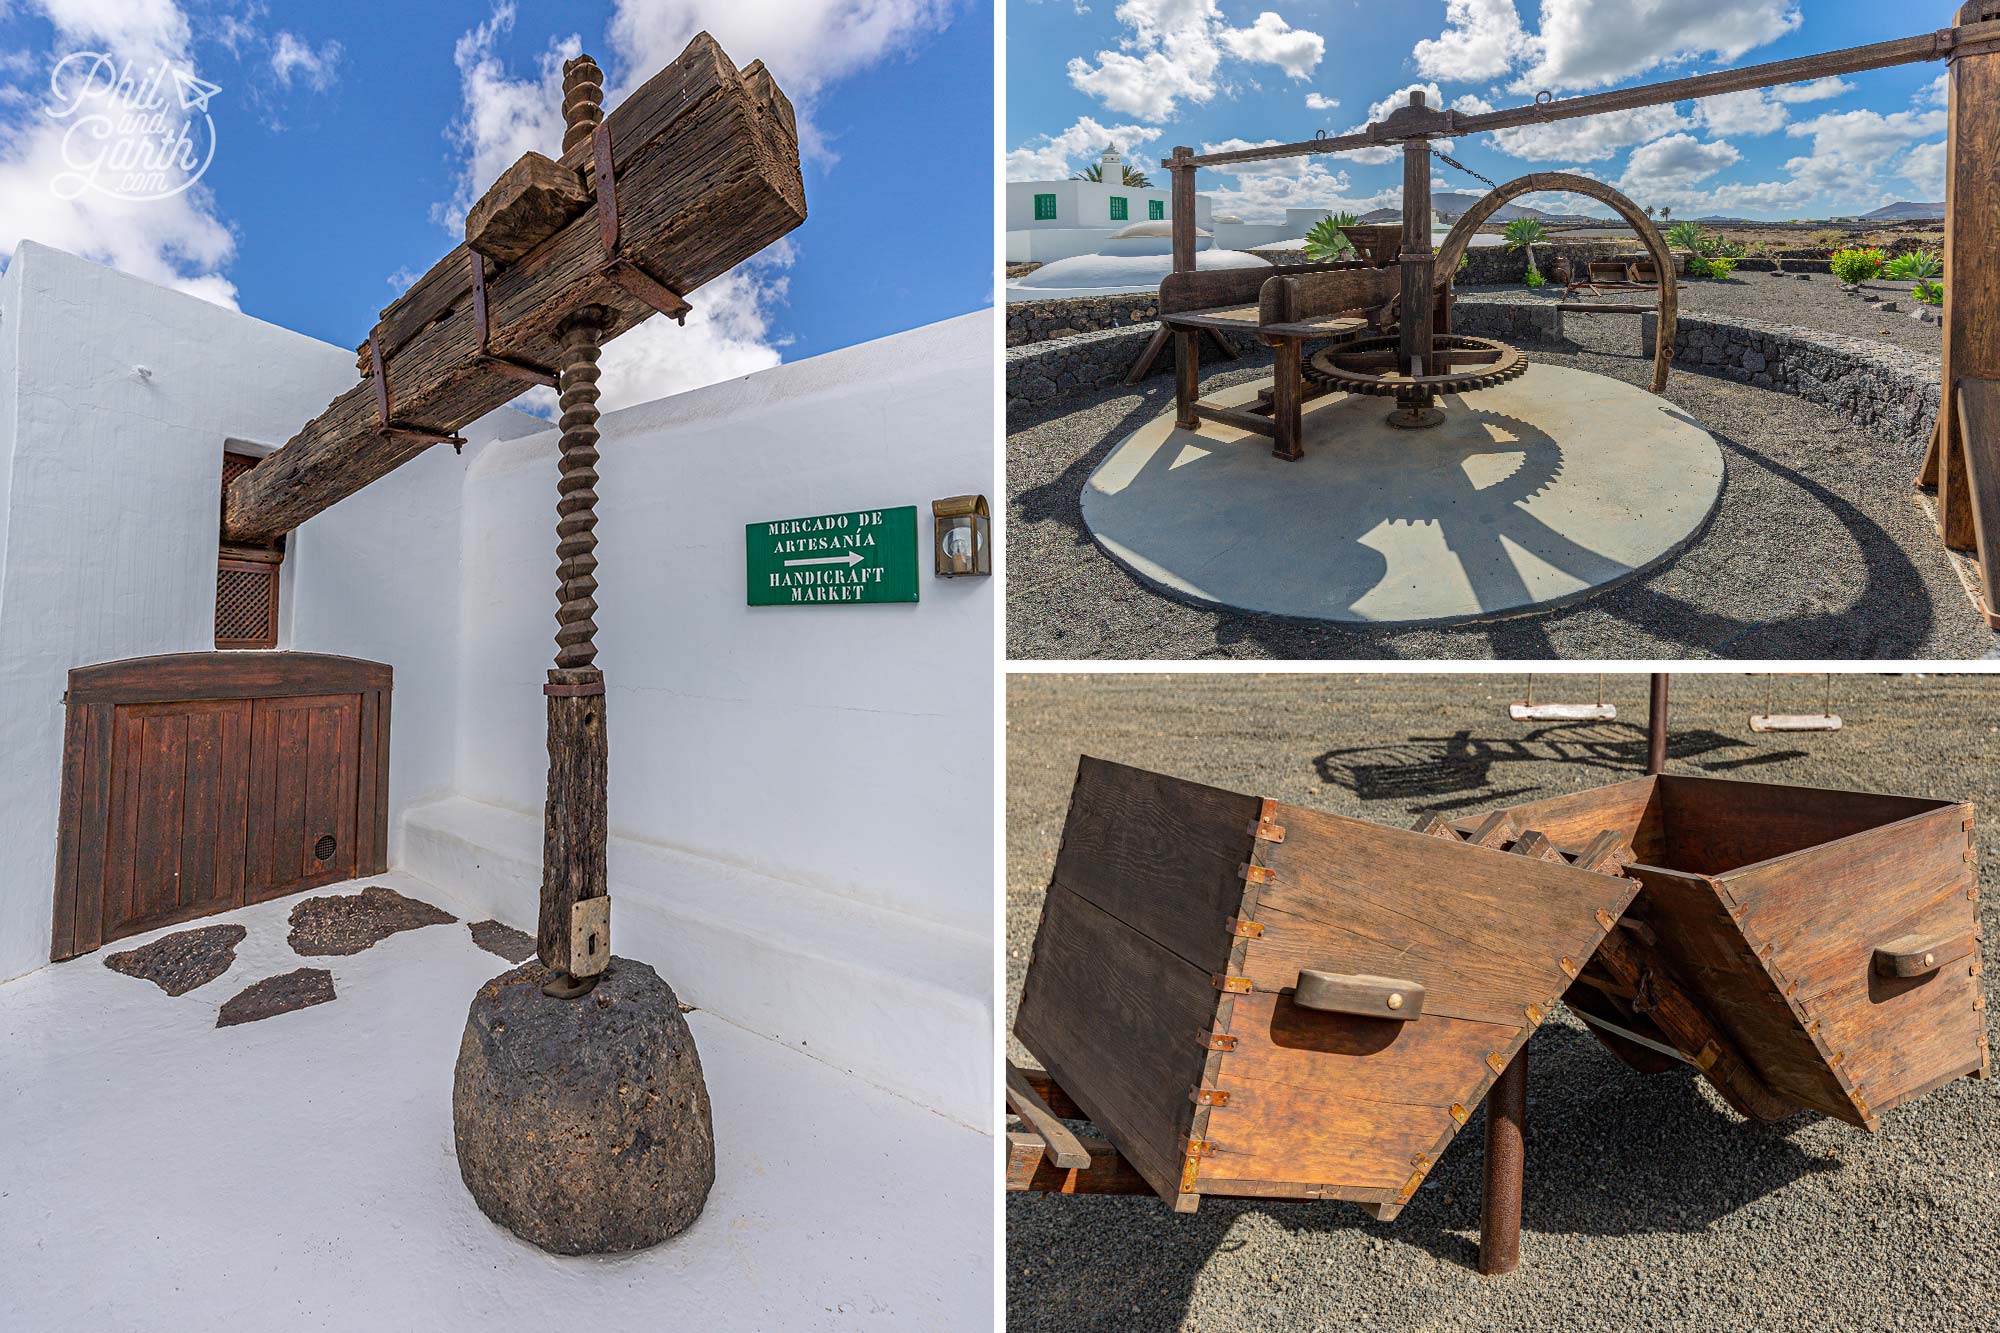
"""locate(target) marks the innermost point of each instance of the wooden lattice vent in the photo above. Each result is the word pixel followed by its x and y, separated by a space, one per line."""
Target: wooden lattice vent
pixel 246 580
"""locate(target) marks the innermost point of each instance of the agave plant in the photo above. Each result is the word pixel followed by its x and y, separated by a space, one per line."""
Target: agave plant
pixel 1684 235
pixel 1327 241
pixel 1928 293
pixel 1915 265
pixel 1523 234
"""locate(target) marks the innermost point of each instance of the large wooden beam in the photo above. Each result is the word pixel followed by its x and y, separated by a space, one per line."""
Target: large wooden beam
pixel 1942 45
pixel 706 174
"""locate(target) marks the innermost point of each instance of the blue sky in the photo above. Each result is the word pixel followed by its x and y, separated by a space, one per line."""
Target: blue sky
pixel 349 138
pixel 1149 74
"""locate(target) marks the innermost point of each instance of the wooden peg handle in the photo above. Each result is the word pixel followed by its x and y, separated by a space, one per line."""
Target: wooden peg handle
pixel 1366 997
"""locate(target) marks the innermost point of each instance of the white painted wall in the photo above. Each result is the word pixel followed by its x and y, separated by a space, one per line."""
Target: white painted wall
pixel 801 797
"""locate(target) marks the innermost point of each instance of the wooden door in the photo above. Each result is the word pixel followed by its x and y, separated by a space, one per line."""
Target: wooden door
pixel 198 782
pixel 303 792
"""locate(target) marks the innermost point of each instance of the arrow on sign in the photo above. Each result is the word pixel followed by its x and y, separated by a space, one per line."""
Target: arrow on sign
pixel 851 559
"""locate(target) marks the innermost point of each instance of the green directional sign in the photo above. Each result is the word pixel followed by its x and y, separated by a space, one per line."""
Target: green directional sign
pixel 867 555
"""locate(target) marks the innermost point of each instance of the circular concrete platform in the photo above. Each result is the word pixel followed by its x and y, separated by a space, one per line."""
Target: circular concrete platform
pixel 1530 494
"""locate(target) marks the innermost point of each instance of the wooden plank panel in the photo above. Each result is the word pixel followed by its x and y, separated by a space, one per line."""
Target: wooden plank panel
pixel 1816 918
pixel 1340 1059
pixel 1160 854
pixel 260 816
pixel 69 832
pixel 1632 808
pixel 331 785
pixel 1715 825
pixel 233 804
pixel 201 807
pixel 1116 1019
pixel 96 808
pixel 380 859
pixel 1716 965
pixel 1281 1133
pixel 365 765
pixel 183 676
pixel 1482 930
pixel 290 854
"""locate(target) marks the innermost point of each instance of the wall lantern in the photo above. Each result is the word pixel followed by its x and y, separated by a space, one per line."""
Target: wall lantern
pixel 964 536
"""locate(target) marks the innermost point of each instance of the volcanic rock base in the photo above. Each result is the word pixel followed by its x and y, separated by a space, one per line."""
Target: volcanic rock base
pixel 1529 495
pixel 583 1125
pixel 182 961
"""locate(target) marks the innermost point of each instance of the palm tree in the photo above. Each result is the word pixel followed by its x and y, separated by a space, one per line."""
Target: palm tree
pixel 1651 211
pixel 1522 234
pixel 1666 212
pixel 1134 179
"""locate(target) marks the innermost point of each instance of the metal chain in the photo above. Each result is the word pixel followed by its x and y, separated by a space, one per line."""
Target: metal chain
pixel 1460 166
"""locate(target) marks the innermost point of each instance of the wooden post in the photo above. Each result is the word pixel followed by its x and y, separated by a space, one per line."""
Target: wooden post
pixel 1972 293
pixel 1506 1160
pixel 574 821
pixel 1417 308
pixel 1180 172
pixel 1656 726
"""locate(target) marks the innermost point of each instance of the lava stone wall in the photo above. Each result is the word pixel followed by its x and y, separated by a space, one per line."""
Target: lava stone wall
pixel 1876 385
pixel 1065 317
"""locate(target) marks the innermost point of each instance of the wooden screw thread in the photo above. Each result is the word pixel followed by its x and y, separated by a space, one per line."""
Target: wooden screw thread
pixel 583 100
pixel 576 502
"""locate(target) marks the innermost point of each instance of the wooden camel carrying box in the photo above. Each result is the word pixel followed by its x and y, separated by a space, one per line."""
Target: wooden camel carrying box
pixel 1806 949
pixel 1250 998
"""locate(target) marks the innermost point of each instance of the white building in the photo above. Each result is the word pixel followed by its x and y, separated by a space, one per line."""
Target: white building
pixel 1051 220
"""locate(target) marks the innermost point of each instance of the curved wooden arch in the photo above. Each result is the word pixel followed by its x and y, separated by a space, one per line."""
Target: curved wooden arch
pixel 1557 182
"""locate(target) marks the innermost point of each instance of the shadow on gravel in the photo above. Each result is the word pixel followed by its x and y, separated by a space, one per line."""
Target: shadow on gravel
pixel 1459 769
pixel 1610 1153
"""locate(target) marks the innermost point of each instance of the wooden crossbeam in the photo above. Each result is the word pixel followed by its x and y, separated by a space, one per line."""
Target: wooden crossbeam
pixel 1940 45
pixel 706 174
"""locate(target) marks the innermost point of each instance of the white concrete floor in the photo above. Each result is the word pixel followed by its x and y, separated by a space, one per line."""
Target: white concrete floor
pixel 158 1172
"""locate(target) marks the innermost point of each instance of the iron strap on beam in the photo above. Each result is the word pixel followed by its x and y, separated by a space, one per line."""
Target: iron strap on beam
pixel 1940 45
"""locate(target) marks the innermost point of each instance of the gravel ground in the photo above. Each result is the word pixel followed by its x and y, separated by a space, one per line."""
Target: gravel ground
pixel 1648 1204
pixel 1819 549
pixel 1817 303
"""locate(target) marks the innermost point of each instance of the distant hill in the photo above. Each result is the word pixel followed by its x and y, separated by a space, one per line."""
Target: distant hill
pixel 1899 212
pixel 1448 205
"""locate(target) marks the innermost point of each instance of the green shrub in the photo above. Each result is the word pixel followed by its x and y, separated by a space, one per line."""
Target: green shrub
pixel 1711 266
pixel 1857 265
pixel 1922 265
pixel 1535 278
pixel 1929 293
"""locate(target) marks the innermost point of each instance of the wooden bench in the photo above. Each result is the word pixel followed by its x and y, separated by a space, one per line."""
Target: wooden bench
pixel 1286 306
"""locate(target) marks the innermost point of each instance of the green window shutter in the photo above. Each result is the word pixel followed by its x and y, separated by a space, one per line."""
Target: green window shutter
pixel 1117 208
pixel 1045 207
pixel 1156 209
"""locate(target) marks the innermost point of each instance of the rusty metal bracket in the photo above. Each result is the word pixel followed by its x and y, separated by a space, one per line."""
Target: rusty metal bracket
pixel 1230 985
pixel 505 365
pixel 1249 930
pixel 1267 827
pixel 1255 874
pixel 1217 1041
pixel 1208 1096
pixel 387 425
pixel 623 272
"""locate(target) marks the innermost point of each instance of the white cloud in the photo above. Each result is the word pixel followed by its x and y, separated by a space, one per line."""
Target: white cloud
pixel 1264 190
pixel 1054 157
pixel 1321 102
pixel 1935 93
pixel 1923 166
pixel 808 45
pixel 728 335
pixel 1674 163
pixel 1745 113
pixel 1272 41
pixel 1174 52
pixel 1588 138
pixel 178 241
pixel 291 55
pixel 1593 43
pixel 1482 40
pixel 502 117
pixel 1381 109
pixel 1818 90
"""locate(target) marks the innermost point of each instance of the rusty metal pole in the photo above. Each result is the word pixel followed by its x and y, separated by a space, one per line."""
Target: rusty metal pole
pixel 572 935
pixel 1506 1156
pixel 1656 726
